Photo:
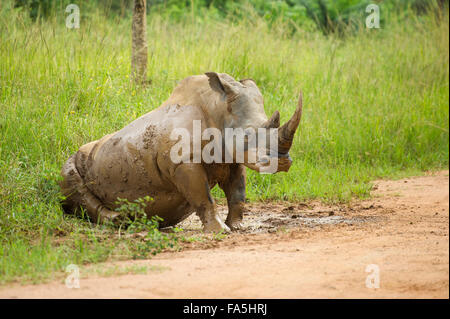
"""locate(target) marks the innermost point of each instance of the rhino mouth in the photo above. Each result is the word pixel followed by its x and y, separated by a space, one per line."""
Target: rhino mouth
pixel 271 164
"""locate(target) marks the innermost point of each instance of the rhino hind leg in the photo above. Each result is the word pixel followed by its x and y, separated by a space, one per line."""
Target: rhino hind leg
pixel 77 195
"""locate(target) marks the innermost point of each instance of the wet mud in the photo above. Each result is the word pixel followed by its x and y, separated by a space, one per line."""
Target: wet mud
pixel 273 217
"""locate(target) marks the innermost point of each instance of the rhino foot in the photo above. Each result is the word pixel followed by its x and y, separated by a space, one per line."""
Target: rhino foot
pixel 215 225
pixel 235 225
pixel 107 215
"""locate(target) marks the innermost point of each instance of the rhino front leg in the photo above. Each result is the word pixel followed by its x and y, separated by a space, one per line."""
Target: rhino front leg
pixel 191 180
pixel 234 188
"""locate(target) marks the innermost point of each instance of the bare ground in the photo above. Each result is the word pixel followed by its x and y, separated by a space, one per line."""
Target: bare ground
pixel 291 250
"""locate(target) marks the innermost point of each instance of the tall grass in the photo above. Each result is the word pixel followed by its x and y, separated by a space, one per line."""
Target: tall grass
pixel 375 105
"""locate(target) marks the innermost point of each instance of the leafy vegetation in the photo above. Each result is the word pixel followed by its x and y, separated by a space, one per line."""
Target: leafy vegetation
pixel 136 221
pixel 375 105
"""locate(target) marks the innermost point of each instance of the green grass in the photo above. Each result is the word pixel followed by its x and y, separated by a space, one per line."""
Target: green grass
pixel 375 105
pixel 116 270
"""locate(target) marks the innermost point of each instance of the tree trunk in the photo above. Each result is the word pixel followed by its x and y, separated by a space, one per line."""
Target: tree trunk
pixel 139 42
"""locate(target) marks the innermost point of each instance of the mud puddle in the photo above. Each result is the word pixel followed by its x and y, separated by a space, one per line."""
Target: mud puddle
pixel 269 218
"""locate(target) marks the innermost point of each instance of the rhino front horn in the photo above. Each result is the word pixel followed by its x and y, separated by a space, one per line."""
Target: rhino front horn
pixel 287 131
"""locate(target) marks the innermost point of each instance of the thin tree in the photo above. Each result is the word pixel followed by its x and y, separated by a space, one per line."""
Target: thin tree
pixel 139 42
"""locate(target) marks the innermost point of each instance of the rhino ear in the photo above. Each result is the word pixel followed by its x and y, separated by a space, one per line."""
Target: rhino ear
pixel 249 82
pixel 220 85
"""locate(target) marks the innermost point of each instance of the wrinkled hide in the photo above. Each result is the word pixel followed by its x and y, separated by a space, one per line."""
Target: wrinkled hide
pixel 135 161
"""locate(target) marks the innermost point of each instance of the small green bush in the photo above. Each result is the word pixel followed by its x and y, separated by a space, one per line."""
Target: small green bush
pixel 136 221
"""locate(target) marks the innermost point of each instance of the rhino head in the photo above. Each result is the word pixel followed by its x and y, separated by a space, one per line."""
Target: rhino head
pixel 244 107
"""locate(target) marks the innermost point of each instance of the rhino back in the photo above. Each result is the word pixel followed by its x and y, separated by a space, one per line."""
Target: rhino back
pixel 135 161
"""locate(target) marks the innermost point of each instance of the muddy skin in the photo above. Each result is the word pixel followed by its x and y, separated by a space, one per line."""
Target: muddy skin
pixel 135 161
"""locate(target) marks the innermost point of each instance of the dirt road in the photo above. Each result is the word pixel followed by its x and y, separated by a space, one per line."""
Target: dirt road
pixel 300 251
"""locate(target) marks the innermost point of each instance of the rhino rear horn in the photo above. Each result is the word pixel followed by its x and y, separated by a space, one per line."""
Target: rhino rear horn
pixel 287 131
pixel 274 121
